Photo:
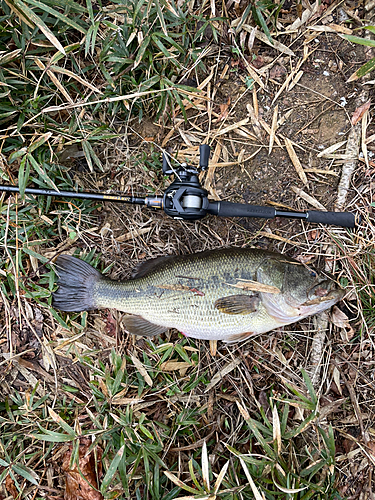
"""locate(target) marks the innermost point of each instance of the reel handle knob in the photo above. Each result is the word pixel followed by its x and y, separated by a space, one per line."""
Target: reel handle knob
pixel 204 156
pixel 167 170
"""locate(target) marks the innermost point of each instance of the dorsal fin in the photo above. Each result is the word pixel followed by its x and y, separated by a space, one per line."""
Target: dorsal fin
pixel 147 266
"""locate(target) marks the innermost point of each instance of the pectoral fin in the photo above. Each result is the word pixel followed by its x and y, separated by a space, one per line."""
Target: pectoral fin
pixel 238 304
pixel 137 325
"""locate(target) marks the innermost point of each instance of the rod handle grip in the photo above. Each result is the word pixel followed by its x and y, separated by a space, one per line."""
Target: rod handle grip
pixel 343 219
pixel 228 209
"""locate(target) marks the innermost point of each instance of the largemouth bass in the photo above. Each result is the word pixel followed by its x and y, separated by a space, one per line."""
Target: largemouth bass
pixel 228 294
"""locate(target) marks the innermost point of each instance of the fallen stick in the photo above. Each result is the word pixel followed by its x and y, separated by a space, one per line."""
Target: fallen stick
pixel 352 150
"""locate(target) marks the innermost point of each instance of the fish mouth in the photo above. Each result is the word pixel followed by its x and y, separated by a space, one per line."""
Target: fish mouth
pixel 323 295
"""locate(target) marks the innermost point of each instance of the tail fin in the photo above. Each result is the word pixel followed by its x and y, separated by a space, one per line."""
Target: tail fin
pixel 76 284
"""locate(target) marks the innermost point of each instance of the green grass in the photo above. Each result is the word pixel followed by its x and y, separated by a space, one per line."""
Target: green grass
pixel 369 65
pixel 272 451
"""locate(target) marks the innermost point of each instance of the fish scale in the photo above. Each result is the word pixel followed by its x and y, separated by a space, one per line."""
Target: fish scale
pixel 203 295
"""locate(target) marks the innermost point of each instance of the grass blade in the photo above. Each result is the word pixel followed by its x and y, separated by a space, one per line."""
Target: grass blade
pixel 112 469
pixel 41 172
pixel 205 468
pixel 363 70
pixel 54 437
pixel 141 51
pixel 41 140
pixel 255 490
pixel 61 422
pixel 23 175
pixel 57 15
pixel 178 482
pixel 28 13
pixel 359 40
pixel 26 473
pixel 263 24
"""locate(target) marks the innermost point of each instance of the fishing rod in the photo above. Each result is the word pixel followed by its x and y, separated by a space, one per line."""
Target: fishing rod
pixel 186 199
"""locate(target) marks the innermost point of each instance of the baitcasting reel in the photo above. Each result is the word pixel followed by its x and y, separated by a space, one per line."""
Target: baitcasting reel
pixel 185 198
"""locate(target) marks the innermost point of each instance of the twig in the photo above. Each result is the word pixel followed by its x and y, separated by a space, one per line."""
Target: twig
pixel 317 346
pixel 352 150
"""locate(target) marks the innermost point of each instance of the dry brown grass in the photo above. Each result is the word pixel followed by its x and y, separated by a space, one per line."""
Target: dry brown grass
pixel 71 358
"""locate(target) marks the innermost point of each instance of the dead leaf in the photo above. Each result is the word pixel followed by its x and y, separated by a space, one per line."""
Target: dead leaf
pixel 310 199
pixel 48 355
pixel 258 62
pixel 371 447
pixel 273 129
pixel 341 320
pixel 276 428
pixel 299 10
pixel 340 29
pixel 142 370
pixel 11 487
pixel 336 378
pixel 224 110
pixel 111 325
pixel 221 374
pixel 211 169
pixel 359 112
pixel 277 72
pixel 295 80
pixel 133 234
pixel 254 286
pixel 76 486
pixel 275 237
pixel 313 235
pixel 267 128
pixel 171 366
pixel 213 347
pixel 331 149
pixel 331 28
pixel 321 171
pixel 348 445
pixel 295 160
pixel 229 128
pixel 274 44
pixel 125 401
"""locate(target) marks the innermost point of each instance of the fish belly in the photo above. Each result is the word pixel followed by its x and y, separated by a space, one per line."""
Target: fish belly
pixel 196 315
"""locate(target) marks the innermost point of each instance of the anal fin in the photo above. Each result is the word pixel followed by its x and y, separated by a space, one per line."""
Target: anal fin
pixel 238 337
pixel 137 325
